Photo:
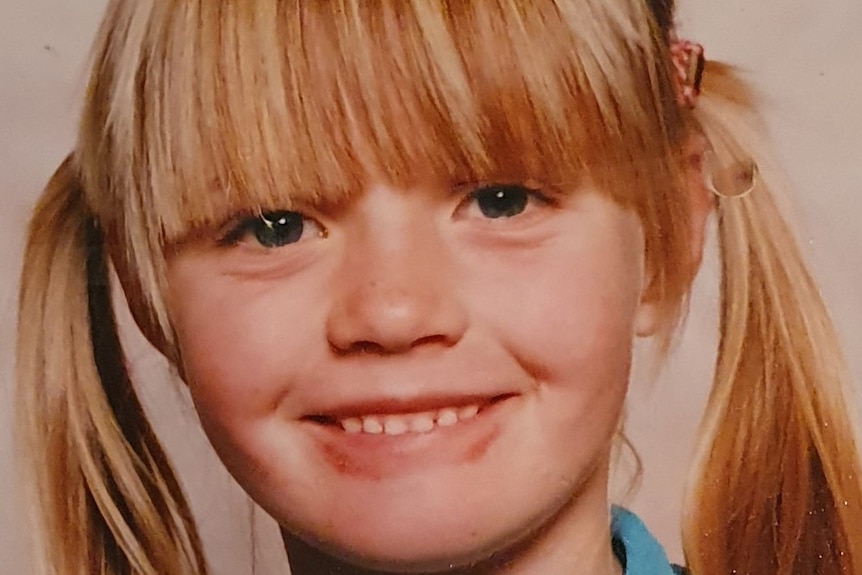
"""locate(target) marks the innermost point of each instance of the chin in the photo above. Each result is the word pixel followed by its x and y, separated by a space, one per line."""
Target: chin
pixel 415 552
pixel 430 538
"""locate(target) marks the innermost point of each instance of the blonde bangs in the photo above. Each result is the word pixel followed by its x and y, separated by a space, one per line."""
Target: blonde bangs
pixel 200 111
pixel 274 104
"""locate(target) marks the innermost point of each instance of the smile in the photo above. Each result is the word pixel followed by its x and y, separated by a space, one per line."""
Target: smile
pixel 381 438
pixel 409 423
pixel 405 421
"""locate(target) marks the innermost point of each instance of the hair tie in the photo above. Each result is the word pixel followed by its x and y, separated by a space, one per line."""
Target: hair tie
pixel 688 62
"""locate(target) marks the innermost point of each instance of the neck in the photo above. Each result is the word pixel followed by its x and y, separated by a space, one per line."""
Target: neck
pixel 576 540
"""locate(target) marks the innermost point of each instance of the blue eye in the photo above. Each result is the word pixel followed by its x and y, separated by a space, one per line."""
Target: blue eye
pixel 272 229
pixel 497 201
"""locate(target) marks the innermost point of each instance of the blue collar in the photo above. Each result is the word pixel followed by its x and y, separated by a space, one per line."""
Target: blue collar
pixel 636 549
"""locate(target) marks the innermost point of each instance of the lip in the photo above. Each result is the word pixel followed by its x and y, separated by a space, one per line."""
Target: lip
pixel 375 457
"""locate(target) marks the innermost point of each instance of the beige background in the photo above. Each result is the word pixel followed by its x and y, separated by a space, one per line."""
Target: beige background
pixel 804 56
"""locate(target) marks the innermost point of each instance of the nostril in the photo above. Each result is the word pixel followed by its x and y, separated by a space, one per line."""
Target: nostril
pixel 438 339
pixel 392 347
pixel 393 318
pixel 361 348
pixel 366 347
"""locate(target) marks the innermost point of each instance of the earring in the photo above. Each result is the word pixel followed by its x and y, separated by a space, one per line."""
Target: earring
pixel 734 181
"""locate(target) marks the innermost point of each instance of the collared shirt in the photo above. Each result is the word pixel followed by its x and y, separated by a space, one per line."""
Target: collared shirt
pixel 637 550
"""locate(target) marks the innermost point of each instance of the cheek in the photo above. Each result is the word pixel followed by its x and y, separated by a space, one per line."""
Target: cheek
pixel 241 346
pixel 568 312
pixel 567 315
pixel 243 349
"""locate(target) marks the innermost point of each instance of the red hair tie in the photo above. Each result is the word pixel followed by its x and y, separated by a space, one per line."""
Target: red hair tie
pixel 688 62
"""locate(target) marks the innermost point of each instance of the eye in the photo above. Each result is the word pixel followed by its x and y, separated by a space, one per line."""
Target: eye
pixel 499 201
pixel 273 229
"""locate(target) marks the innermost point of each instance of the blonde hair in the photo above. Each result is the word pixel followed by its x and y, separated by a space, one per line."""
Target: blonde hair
pixel 199 109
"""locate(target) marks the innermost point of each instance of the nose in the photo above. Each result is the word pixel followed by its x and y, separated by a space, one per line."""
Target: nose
pixel 394 288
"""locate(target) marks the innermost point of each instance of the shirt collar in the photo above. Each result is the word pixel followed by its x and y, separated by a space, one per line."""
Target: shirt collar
pixel 637 550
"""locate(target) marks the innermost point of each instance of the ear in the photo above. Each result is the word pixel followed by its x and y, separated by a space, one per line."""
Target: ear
pixel 701 202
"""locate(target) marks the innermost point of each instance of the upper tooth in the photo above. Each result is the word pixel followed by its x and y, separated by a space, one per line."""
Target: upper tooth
pixel 422 422
pixel 413 423
pixel 468 412
pixel 447 417
pixel 395 425
pixel 352 425
pixel 372 425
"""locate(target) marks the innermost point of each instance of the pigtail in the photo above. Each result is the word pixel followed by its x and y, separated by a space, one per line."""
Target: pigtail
pixel 108 498
pixel 778 490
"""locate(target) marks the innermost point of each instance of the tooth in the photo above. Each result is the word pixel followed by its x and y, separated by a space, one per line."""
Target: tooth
pixel 395 426
pixel 372 425
pixel 352 425
pixel 468 412
pixel 415 423
pixel 422 423
pixel 447 417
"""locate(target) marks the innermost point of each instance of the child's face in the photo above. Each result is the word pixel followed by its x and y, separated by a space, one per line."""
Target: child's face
pixel 412 310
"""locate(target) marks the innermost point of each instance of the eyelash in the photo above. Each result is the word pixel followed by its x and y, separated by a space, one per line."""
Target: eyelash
pixel 524 194
pixel 248 225
pixel 531 193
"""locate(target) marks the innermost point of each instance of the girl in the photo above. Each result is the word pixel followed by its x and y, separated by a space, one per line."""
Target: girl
pixel 399 251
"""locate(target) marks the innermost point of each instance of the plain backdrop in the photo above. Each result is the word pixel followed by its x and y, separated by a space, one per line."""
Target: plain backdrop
pixel 804 57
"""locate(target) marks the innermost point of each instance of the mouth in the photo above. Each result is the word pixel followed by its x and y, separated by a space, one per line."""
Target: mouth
pixel 398 438
pixel 416 418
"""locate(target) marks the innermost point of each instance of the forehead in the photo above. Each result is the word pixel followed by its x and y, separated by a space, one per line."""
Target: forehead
pixel 260 105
